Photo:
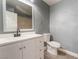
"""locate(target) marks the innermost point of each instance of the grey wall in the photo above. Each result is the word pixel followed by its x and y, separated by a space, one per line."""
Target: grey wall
pixel 41 16
pixel 64 24
pixel 1 17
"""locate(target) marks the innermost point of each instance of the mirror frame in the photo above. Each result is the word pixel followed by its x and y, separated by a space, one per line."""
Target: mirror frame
pixel 22 30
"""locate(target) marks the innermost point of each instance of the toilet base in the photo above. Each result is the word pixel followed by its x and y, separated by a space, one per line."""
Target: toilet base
pixel 53 51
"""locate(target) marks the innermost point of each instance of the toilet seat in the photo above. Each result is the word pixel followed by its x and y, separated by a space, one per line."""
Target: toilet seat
pixel 54 44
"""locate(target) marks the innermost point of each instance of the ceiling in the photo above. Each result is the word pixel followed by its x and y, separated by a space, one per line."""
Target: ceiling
pixel 51 2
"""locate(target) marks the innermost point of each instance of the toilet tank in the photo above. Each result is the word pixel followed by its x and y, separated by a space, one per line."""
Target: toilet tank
pixel 46 37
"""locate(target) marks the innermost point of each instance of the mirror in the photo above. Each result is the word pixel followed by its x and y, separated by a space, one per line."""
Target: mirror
pixel 18 15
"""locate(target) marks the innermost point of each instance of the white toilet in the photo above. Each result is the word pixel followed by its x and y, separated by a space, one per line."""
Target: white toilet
pixel 52 46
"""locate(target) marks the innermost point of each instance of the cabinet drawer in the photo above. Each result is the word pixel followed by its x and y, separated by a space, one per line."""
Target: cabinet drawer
pixel 42 54
pixel 41 43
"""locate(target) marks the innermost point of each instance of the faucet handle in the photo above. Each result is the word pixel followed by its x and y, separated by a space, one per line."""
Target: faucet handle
pixel 18 29
pixel 17 33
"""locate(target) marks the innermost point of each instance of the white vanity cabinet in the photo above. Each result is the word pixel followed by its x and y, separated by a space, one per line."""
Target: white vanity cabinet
pixel 28 49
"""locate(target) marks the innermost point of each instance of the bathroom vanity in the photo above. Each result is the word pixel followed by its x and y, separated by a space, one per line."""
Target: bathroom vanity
pixel 24 47
pixel 19 14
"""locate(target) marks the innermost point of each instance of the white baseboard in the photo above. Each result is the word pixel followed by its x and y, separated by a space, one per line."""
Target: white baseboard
pixel 69 52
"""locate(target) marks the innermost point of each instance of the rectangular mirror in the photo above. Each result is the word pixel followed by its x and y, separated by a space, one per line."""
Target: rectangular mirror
pixel 17 14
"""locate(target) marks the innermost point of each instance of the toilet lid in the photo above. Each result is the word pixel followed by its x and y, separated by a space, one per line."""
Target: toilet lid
pixel 55 44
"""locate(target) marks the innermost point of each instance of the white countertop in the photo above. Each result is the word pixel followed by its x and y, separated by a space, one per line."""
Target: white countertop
pixel 8 40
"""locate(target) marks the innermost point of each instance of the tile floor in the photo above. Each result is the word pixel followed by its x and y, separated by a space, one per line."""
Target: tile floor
pixel 60 56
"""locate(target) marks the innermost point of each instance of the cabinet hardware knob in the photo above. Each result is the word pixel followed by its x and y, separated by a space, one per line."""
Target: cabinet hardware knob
pixel 40 49
pixel 40 41
pixel 24 47
pixel 20 48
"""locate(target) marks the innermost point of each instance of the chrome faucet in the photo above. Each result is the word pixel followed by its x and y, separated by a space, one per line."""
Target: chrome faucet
pixel 17 33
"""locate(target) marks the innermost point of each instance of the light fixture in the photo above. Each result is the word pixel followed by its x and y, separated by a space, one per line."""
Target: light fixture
pixel 32 0
pixel 27 2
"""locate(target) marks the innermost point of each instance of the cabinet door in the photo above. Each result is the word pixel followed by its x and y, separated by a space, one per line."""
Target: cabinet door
pixel 10 52
pixel 29 49
pixel 32 49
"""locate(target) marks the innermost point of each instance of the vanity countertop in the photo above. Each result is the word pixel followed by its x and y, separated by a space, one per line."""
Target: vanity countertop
pixel 9 40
